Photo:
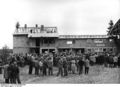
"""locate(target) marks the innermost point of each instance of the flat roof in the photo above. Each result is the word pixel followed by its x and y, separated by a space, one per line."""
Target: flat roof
pixel 83 36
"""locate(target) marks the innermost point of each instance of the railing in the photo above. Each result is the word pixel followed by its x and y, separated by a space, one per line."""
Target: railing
pixel 38 32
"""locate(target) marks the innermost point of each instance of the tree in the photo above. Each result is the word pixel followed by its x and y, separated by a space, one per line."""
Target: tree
pixel 5 54
pixel 111 24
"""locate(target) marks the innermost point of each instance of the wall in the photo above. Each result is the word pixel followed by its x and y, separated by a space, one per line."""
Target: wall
pixel 62 43
pixel 20 44
pixel 92 44
pixel 22 50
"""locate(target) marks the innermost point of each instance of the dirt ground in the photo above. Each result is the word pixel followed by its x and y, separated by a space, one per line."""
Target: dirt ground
pixel 97 75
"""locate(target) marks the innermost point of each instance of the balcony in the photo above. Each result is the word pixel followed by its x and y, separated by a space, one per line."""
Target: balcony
pixel 46 32
pixel 37 31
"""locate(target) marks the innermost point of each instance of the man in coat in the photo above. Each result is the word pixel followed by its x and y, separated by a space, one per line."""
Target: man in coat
pixel 81 64
pixel 65 66
pixel 6 73
pixel 60 67
pixel 17 75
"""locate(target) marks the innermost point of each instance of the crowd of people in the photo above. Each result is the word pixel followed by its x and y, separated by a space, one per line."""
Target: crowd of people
pixel 65 62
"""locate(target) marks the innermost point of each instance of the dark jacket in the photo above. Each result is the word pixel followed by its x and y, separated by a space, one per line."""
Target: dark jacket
pixel 81 63
pixel 65 63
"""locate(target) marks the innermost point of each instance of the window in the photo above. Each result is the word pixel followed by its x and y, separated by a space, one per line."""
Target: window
pixel 45 41
pixel 98 45
pixel 51 41
pixel 89 40
pixel 97 50
pixel 69 42
pixel 104 50
pixel 89 50
pixel 111 49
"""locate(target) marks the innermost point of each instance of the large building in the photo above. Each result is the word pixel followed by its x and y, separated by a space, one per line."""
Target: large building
pixel 40 39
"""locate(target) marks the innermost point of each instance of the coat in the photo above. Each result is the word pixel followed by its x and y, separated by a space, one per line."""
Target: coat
pixel 6 73
pixel 87 63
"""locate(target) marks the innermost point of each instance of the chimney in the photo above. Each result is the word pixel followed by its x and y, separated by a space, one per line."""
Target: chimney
pixel 42 27
pixel 25 26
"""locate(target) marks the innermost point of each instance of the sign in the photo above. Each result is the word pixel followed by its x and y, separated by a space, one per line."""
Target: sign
pixel 98 41
pixel 69 42
pixel 100 45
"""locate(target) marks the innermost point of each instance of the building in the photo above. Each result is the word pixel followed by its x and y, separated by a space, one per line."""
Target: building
pixel 40 39
pixel 115 35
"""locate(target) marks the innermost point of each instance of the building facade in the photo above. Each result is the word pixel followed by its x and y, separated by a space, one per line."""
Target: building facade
pixel 40 39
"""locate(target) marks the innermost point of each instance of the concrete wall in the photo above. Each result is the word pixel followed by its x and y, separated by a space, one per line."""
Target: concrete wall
pixel 88 44
pixel 20 44
pixel 83 43
pixel 20 50
pixel 62 43
pixel 32 42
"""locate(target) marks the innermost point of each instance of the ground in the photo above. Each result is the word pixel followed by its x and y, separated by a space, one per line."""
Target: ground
pixel 97 74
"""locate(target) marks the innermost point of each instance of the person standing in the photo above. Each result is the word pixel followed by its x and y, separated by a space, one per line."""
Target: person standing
pixel 12 73
pixel 6 73
pixel 87 64
pixel 60 67
pixel 50 66
pixel 118 60
pixel 69 66
pixel 41 67
pixel 31 64
pixel 76 61
pixel 36 62
pixel 45 67
pixel 73 66
pixel 65 66
pixel 0 66
pixel 81 64
pixel 115 59
pixel 17 75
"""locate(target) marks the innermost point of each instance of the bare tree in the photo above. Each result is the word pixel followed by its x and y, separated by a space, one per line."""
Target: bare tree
pixel 5 54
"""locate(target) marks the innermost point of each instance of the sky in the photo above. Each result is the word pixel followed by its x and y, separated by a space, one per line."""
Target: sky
pixel 71 17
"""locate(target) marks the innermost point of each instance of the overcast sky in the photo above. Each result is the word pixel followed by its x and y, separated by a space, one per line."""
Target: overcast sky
pixel 70 16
